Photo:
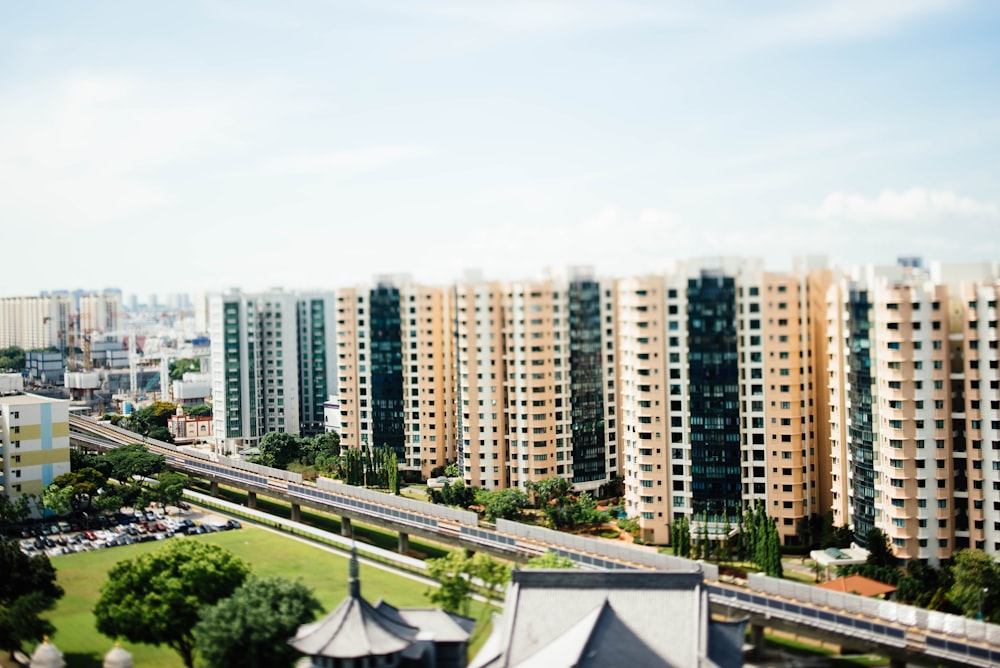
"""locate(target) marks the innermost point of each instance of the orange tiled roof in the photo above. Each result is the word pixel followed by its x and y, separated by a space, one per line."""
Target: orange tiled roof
pixel 859 584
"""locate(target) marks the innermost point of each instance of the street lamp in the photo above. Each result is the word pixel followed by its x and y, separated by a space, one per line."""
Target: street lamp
pixel 982 593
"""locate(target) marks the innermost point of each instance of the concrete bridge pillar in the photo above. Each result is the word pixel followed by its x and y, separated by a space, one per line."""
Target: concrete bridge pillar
pixel 404 542
pixel 757 639
pixel 251 499
pixel 346 530
pixel 296 512
pixel 213 488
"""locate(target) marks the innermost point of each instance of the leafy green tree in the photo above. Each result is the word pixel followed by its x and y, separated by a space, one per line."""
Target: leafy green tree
pixel 977 585
pixel 109 502
pixel 508 504
pixel 157 414
pixel 879 549
pixel 453 495
pixel 85 484
pixel 58 499
pixel 170 487
pixel 451 470
pixel 680 536
pixel 12 358
pixel 549 490
pixel 631 525
pixel 28 589
pixel 157 598
pixel 278 449
pixel 199 410
pixel 491 573
pixel 134 460
pixel 453 573
pixel 321 451
pixel 181 366
pixel 586 511
pixel 251 628
pixel 15 511
pixel 550 559
pixel 83 459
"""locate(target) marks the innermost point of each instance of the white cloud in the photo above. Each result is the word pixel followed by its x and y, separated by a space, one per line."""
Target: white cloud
pixel 613 242
pixel 915 204
pixel 83 151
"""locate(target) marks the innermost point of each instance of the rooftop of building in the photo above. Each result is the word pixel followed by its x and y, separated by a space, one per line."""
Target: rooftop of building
pixel 27 399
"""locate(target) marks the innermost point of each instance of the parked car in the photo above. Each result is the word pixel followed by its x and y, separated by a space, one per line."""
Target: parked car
pixel 234 524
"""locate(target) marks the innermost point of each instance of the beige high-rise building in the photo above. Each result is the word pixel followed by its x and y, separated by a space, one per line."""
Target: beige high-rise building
pixel 652 494
pixel 907 412
pixel 481 412
pixel 797 451
pixel 396 371
pixel 100 312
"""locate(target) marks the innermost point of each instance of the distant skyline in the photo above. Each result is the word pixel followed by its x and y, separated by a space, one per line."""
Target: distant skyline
pixel 185 147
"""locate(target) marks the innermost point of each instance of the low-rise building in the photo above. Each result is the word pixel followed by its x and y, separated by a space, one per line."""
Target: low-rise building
pixel 34 436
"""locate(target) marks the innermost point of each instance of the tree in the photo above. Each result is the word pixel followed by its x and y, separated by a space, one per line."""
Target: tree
pixel 977 585
pixel 453 573
pixel 453 495
pixel 85 484
pixel 199 410
pixel 321 451
pixel 491 573
pixel 134 460
pixel 181 366
pixel 109 502
pixel 170 487
pixel 58 499
pixel 251 628
pixel 12 358
pixel 451 470
pixel 157 414
pixel 156 598
pixel 548 490
pixel 508 504
pixel 278 449
pixel 17 510
pixel 27 590
pixel 879 549
pixel 550 559
pixel 83 459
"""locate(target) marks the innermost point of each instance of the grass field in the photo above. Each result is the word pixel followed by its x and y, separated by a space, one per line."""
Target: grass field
pixel 267 553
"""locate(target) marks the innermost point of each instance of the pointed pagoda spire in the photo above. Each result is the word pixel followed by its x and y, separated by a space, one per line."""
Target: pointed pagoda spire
pixel 353 579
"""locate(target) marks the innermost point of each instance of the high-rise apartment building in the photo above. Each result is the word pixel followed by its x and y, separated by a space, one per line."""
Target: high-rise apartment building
pixel 536 381
pixel 100 312
pixel 394 360
pixel 907 415
pixel 705 389
pixel 36 322
pixel 272 367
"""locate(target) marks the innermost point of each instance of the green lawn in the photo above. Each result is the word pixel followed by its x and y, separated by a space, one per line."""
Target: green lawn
pixel 81 575
pixel 385 539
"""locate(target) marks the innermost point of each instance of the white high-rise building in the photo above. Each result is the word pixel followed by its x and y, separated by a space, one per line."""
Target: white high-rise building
pixel 272 367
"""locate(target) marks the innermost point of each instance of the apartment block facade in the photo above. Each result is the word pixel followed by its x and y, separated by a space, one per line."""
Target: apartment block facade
pixel 394 346
pixel 35 322
pixel 272 365
pixel 912 358
pixel 872 393
pixel 34 435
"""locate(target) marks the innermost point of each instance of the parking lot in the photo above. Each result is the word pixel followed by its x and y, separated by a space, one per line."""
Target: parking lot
pixel 124 528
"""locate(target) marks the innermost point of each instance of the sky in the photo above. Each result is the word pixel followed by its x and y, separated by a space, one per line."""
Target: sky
pixel 311 144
